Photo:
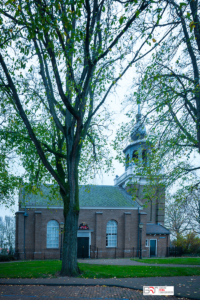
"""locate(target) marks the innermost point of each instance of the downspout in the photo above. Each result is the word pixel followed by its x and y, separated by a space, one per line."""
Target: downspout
pixel 138 232
pixel 25 215
pixel 138 246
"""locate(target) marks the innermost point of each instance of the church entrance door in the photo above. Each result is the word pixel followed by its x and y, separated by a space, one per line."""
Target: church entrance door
pixel 152 248
pixel 83 247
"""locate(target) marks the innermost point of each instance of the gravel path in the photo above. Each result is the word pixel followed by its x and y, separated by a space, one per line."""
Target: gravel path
pixel 128 262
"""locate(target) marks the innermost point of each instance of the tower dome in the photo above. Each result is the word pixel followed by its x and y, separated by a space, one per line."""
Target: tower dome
pixel 137 151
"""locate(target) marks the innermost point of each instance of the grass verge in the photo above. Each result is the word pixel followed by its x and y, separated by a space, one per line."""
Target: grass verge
pixel 30 269
pixel 43 269
pixel 100 271
pixel 171 260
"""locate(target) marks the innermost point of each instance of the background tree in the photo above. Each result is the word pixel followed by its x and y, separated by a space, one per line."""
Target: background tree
pixel 182 211
pixel 169 92
pixel 172 83
pixel 9 181
pixel 177 218
pixel 7 233
pixel 59 61
pixel 193 201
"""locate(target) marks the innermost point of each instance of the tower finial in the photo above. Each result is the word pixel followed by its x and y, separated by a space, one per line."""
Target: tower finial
pixel 138 116
pixel 139 130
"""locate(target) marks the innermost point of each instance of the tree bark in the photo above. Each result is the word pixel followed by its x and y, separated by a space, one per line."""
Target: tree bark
pixel 69 261
pixel 71 209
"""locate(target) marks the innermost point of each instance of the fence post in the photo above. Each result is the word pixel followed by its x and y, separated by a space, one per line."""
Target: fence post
pixel 115 253
pixel 83 252
pixel 97 253
pixel 90 251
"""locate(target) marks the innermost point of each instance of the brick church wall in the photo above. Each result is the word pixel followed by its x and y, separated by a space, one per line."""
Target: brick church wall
pixel 36 231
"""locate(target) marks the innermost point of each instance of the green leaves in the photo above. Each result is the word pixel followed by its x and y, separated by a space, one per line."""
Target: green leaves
pixel 137 13
pixel 121 20
pixel 182 4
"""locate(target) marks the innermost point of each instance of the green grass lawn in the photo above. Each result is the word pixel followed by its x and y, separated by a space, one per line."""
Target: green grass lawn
pixel 171 260
pixel 49 268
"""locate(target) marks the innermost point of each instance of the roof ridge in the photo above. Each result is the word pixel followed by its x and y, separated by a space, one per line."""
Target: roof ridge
pixel 163 226
pixel 98 185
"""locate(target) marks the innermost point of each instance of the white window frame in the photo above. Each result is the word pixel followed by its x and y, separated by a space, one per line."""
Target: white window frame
pixel 111 234
pixel 147 243
pixel 53 234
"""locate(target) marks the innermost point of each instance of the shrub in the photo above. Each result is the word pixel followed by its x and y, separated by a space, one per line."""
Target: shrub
pixel 4 257
pixel 190 243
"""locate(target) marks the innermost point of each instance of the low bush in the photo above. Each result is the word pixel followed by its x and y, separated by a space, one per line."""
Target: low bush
pixel 189 243
pixel 6 257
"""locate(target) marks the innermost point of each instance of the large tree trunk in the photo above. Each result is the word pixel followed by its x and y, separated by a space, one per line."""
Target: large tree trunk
pixel 69 260
pixel 71 214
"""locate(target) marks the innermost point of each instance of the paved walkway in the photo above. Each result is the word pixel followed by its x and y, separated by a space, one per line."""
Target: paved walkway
pixel 72 292
pixel 184 286
pixel 128 262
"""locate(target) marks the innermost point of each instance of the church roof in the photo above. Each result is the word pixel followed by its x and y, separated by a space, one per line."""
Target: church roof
pixel 156 229
pixel 89 196
pixel 105 196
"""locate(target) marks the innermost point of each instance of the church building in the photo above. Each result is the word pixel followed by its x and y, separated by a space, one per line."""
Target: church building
pixel 114 221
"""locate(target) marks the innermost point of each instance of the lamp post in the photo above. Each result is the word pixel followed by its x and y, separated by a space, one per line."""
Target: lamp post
pixel 140 227
pixel 61 231
pixel 25 215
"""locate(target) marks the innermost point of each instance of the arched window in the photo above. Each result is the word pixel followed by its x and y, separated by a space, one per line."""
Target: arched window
pixel 127 160
pixel 111 234
pixel 135 156
pixel 52 234
pixel 144 156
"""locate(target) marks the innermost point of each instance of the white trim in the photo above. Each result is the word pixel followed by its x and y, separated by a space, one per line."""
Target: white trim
pixel 52 235
pixel 111 233
pixel 101 207
pixel 88 207
pixel 150 246
pixel 85 230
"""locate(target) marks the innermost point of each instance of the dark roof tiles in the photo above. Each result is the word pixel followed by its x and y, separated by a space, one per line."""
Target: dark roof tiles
pixel 156 229
pixel 89 196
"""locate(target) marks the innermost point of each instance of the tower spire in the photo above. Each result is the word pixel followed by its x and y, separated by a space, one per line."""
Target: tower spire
pixel 139 130
pixel 139 115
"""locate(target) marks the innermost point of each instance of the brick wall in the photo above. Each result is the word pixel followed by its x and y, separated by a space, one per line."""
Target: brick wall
pixel 36 232
pixel 162 241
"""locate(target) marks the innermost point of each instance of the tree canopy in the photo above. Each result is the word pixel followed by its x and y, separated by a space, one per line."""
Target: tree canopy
pixel 169 93
pixel 59 61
